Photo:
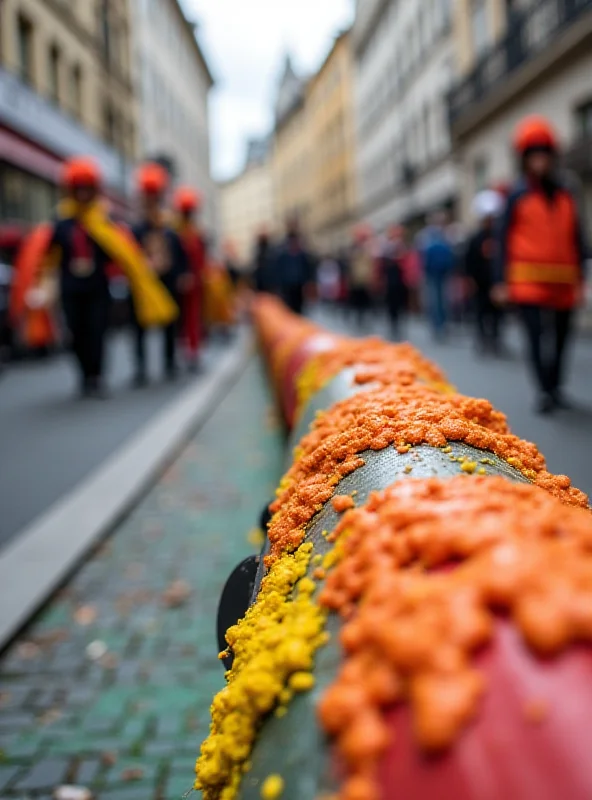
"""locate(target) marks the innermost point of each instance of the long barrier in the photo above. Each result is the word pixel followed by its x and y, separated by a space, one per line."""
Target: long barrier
pixel 422 628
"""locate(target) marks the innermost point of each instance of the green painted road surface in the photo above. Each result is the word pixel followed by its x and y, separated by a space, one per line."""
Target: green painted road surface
pixel 109 688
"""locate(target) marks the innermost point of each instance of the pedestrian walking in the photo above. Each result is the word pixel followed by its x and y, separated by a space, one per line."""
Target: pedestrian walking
pixel 81 244
pixel 264 277
pixel 479 265
pixel 328 281
pixel 362 273
pixel 188 204
pixel 294 268
pixel 393 252
pixel 439 261
pixel 167 259
pixel 540 267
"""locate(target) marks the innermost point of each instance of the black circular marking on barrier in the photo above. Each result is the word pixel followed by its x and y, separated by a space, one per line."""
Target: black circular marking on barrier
pixel 235 600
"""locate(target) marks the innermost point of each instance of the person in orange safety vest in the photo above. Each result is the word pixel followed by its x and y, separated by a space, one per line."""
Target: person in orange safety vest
pixel 540 258
pixel 187 204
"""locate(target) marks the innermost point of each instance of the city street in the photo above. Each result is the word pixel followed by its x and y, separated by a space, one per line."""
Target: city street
pixel 51 440
pixel 109 688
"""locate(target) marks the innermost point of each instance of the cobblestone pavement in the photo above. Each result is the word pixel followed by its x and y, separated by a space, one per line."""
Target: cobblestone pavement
pixel 109 688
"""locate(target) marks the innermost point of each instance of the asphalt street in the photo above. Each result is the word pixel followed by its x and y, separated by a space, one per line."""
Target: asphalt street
pixel 50 439
pixel 565 438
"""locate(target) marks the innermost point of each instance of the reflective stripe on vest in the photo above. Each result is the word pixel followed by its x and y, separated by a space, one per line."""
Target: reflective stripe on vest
pixel 521 272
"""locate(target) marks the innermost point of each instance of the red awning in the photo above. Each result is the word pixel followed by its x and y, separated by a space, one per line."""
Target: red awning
pixel 27 156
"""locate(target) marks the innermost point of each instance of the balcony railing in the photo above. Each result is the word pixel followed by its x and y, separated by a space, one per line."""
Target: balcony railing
pixel 529 33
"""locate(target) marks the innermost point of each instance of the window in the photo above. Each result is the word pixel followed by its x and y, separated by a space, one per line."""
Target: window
pixel 76 91
pixel 104 29
pixel 584 120
pixel 109 125
pixel 53 76
pixel 479 27
pixel 480 174
pixel 24 32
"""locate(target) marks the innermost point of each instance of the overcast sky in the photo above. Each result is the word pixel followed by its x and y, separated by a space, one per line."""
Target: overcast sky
pixel 245 42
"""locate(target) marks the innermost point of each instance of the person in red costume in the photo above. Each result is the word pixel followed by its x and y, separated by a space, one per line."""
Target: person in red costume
pixel 187 204
pixel 541 258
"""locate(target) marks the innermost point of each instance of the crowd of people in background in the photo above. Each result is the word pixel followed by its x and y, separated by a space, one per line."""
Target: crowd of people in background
pixel 525 253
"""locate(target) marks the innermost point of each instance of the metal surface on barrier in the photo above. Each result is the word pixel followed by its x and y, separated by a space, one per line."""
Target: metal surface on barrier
pixel 294 745
pixel 338 388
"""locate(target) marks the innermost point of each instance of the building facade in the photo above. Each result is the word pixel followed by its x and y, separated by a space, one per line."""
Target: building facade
pixel 292 148
pixel 247 203
pixel 519 58
pixel 65 88
pixel 174 82
pixel 331 113
pixel 404 68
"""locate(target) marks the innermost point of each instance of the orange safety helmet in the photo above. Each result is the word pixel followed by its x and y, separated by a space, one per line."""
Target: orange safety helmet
pixel 81 171
pixel 187 199
pixel 152 178
pixel 535 132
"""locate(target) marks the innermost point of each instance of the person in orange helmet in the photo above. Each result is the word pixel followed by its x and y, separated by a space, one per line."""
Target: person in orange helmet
pixel 83 278
pixel 540 260
pixel 188 204
pixel 166 257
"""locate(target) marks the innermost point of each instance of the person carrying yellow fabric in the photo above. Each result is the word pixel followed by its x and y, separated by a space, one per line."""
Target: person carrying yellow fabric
pixel 82 243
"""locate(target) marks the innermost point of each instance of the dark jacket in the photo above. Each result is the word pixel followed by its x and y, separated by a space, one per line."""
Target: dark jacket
pixel 264 269
pixel 293 265
pixel 480 259
pixel 82 264
pixel 163 245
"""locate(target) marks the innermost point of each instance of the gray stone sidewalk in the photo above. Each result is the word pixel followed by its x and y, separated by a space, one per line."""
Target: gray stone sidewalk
pixel 109 688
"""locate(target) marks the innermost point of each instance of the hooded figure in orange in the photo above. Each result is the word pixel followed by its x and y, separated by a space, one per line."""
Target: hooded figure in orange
pixel 81 245
pixel 166 257
pixel 541 257
pixel 187 205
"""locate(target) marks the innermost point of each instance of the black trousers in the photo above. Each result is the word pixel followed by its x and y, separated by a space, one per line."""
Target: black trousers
pixel 547 334
pixel 395 304
pixel 487 319
pixel 87 318
pixel 293 297
pixel 169 340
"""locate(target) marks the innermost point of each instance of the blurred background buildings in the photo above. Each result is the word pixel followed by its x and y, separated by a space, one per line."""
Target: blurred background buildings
pixel 173 81
pixel 404 57
pixel 65 87
pixel 413 111
pixel 247 205
pixel 518 58
pixel 114 79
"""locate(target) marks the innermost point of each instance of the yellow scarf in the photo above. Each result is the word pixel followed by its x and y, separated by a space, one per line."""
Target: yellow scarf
pixel 153 304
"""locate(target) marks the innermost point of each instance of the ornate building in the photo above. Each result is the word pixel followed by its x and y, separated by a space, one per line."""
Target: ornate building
pixel 174 82
pixel 331 114
pixel 292 150
pixel 65 88
pixel 404 67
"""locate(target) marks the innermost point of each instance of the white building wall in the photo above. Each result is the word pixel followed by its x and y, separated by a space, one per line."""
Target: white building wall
pixel 487 157
pixel 403 74
pixel 173 87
